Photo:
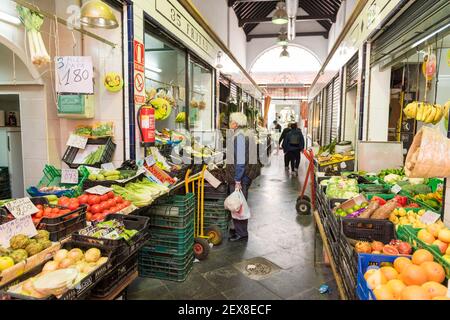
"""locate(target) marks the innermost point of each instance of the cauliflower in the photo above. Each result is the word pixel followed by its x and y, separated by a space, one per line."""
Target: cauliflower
pixel 392 178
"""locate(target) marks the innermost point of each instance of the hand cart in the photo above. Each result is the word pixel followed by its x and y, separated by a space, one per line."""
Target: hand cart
pixel 304 203
pixel 202 236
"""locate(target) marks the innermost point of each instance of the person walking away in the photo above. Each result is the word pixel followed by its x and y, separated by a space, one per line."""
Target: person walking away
pixel 242 166
pixel 281 143
pixel 294 144
pixel 276 131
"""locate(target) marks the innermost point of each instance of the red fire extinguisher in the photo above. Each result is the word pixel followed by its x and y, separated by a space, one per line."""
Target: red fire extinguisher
pixel 146 124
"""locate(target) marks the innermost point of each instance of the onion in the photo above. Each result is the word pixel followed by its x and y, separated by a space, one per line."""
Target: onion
pixel 102 260
pixel 67 262
pixel 60 255
pixel 75 254
pixel 92 255
pixel 50 266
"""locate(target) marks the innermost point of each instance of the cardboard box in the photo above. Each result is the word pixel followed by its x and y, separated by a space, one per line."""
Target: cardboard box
pixel 358 200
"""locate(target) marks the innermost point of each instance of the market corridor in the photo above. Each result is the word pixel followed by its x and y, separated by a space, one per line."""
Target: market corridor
pixel 276 234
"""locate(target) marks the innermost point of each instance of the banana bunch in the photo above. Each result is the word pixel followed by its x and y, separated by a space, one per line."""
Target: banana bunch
pixel 181 117
pixel 425 112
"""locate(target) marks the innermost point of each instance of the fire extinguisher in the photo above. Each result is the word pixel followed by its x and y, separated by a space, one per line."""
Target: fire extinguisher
pixel 146 124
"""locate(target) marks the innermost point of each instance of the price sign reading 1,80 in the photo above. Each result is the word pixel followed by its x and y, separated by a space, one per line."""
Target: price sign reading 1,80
pixel 74 74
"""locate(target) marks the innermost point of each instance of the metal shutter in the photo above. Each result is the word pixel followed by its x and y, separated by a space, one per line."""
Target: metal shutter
pixel 352 72
pixel 233 91
pixel 328 114
pixel 336 111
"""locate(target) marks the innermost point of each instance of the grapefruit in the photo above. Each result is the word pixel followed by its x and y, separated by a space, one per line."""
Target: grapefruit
pixel 434 271
pixel 396 287
pixel 420 256
pixel 383 292
pixel 414 275
pixel 389 272
pixel 435 289
pixel 400 263
pixel 444 235
pixel 376 279
pixel 425 236
pixel 434 229
pixel 415 293
pixel 369 273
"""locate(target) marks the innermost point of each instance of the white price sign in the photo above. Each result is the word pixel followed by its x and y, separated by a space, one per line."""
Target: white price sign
pixel 93 170
pixel 69 176
pixel 77 141
pixel 429 217
pixel 396 189
pixel 21 208
pixel 108 166
pixel 100 190
pixel 10 229
pixel 211 179
pixel 74 74
pixel 343 165
pixel 150 161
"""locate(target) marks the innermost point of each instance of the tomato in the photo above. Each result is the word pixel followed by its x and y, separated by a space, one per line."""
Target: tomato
pixel 111 203
pixel 96 208
pixel 36 220
pixel 47 212
pixel 39 214
pixel 63 201
pixel 66 211
pixel 40 207
pixel 73 205
pixel 88 216
pixel 118 199
pixel 83 199
pixel 94 199
pixel 111 194
pixel 128 203
pixel 114 209
pixel 55 210
pixel 88 208
pixel 104 197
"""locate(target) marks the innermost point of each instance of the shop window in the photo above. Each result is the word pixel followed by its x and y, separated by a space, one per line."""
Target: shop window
pixel 201 111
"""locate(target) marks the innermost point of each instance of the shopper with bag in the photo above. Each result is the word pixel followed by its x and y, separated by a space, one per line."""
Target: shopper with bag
pixel 282 144
pixel 242 167
pixel 294 143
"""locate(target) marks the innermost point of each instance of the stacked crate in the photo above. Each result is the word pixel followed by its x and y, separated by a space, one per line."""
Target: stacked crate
pixel 168 255
pixel 5 187
pixel 214 210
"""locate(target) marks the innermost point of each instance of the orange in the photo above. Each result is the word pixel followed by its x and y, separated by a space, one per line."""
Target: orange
pixel 420 256
pixel 425 236
pixel 400 263
pixel 415 293
pixel 376 279
pixel 444 235
pixel 369 273
pixel 383 292
pixel 434 271
pixel 414 275
pixel 434 229
pixel 396 287
pixel 389 272
pixel 435 289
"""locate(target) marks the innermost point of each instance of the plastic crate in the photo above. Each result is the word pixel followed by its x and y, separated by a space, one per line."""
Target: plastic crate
pixel 52 178
pixel 368 229
pixel 409 234
pixel 221 192
pixel 163 273
pixel 364 261
pixel 71 153
pixel 374 188
pixel 152 259
pixel 176 211
pixel 172 221
pixel 172 233
pixel 164 245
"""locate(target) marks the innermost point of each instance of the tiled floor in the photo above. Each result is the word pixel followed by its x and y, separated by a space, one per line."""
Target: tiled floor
pixel 276 234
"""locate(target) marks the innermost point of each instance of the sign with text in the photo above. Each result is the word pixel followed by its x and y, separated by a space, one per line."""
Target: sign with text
pixel 396 189
pixel 21 208
pixel 69 176
pixel 100 190
pixel 212 179
pixel 74 74
pixel 429 217
pixel 77 141
pixel 139 72
pixel 10 229
pixel 108 166
pixel 150 161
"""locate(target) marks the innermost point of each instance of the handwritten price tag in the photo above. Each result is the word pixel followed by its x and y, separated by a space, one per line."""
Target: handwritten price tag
pixel 396 189
pixel 69 176
pixel 211 179
pixel 93 170
pixel 10 229
pixel 150 161
pixel 77 141
pixel 429 217
pixel 74 74
pixel 100 190
pixel 21 208
pixel 108 166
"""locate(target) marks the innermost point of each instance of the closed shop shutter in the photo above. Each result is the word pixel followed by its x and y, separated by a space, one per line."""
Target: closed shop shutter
pixel 328 114
pixel 233 91
pixel 336 111
pixel 352 72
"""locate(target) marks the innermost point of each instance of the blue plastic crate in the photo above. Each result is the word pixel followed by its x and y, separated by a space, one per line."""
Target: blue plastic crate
pixel 364 261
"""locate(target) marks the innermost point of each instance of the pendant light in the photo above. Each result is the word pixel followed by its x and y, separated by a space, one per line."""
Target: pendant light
pixel 282 38
pixel 280 16
pixel 284 53
pixel 97 14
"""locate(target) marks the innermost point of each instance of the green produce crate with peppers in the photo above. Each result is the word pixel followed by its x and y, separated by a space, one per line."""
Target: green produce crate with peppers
pixel 409 234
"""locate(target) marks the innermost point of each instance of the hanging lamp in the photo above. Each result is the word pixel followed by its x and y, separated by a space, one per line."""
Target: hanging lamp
pixel 280 16
pixel 284 53
pixel 282 38
pixel 97 14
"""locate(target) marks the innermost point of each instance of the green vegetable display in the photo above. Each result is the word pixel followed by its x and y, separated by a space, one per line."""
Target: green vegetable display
pixel 341 188
pixel 95 156
pixel 141 193
pixel 416 189
pixel 385 172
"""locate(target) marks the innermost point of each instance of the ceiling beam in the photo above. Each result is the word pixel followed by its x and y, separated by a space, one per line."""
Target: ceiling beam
pixel 298 34
pixel 243 22
pixel 244 1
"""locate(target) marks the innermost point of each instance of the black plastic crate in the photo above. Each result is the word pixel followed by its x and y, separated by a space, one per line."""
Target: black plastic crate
pixel 71 153
pixel 67 230
pixel 368 229
pixel 349 279
pixel 349 254
pixel 212 193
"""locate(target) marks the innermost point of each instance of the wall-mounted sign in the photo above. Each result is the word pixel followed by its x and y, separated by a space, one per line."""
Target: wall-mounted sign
pixel 139 75
pixel 74 74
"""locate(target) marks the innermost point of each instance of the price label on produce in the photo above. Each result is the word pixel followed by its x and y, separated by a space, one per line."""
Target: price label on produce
pixel 430 217
pixel 77 141
pixel 343 165
pixel 93 170
pixel 108 166
pixel 396 189
pixel 69 176
pixel 211 179
pixel 10 229
pixel 21 208
pixel 100 190
pixel 74 74
pixel 150 161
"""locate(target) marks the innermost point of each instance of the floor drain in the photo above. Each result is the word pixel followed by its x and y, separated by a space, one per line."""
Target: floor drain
pixel 257 268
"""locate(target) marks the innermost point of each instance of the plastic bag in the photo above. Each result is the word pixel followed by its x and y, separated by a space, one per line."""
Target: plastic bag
pixel 238 206
pixel 429 155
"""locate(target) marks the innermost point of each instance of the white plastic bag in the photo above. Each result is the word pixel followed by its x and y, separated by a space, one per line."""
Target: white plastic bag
pixel 237 205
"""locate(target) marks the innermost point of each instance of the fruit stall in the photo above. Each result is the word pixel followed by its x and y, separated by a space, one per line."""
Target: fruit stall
pixel 383 234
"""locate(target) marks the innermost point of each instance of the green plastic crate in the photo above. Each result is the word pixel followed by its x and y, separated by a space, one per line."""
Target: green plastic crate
pixel 172 221
pixel 170 246
pixel 157 261
pixel 368 187
pixel 164 274
pixel 409 234
pixel 172 233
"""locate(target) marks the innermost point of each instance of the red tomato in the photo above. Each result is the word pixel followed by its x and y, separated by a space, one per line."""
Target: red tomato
pixel 83 199
pixel 93 199
pixel 63 201
pixel 114 209
pixel 47 212
pixel 96 208
pixel 88 216
pixel 128 203
pixel 118 199
pixel 110 194
pixel 100 217
pixel 111 203
pixel 104 197
pixel 40 207
pixel 66 211
pixel 55 210
pixel 88 208
pixel 73 205
pixel 36 220
pixel 39 214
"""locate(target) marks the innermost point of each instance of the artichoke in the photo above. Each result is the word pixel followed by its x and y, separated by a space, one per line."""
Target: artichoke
pixel 4 252
pixel 33 248
pixel 42 234
pixel 19 241
pixel 19 255
pixel 45 243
